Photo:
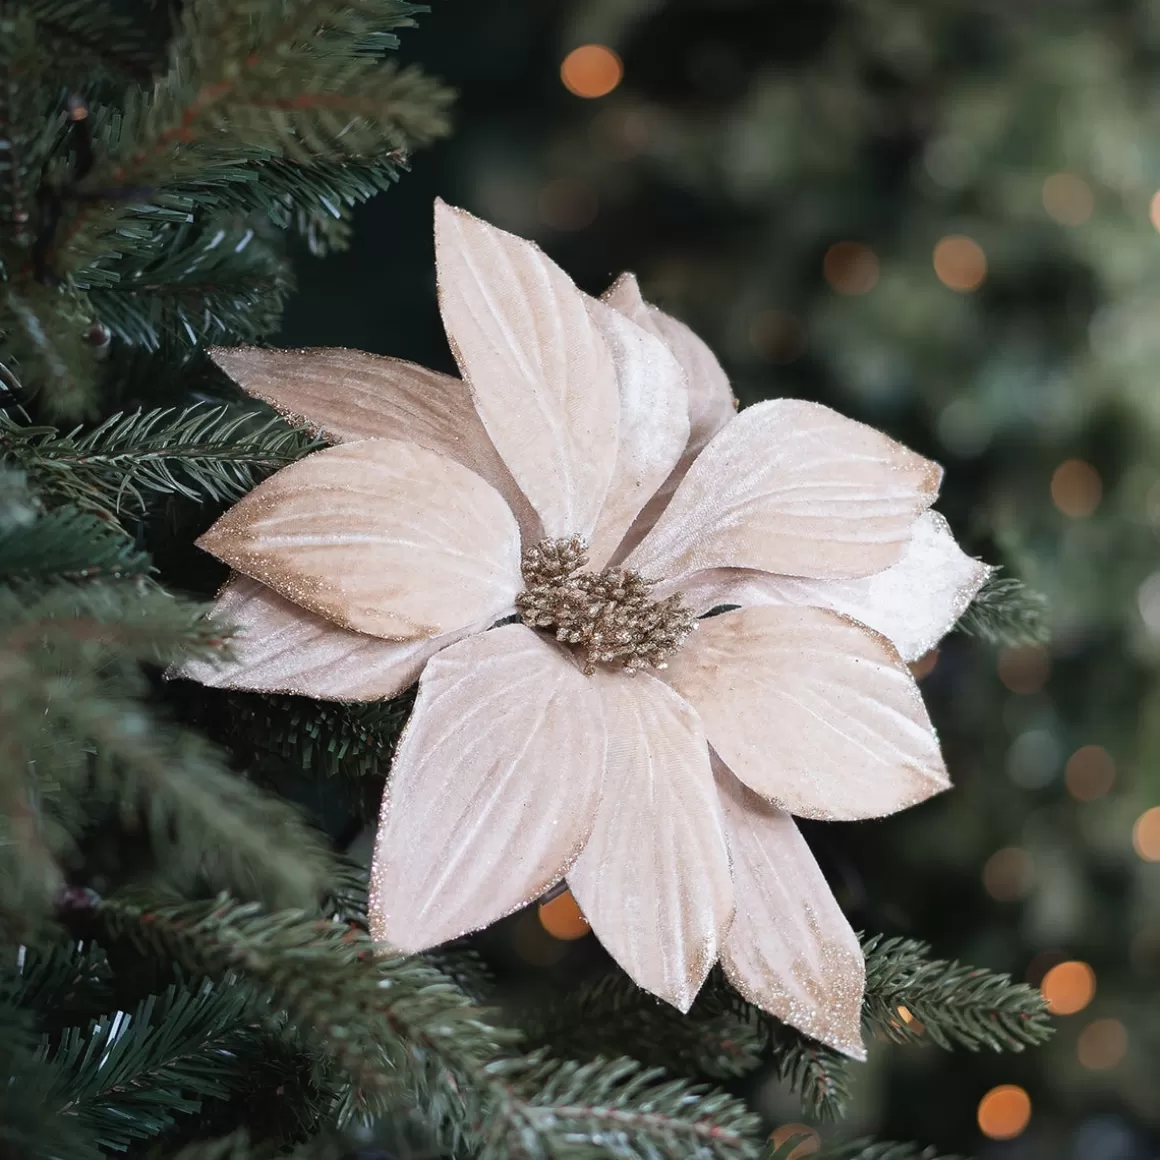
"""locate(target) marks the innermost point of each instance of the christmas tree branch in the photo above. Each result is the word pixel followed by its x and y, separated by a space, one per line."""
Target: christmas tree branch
pixel 200 452
pixel 207 284
pixel 403 1035
pixel 706 1042
pixel 950 1004
pixel 289 79
pixel 88 37
pixel 129 1075
pixel 1005 612
pixel 68 544
pixel 92 738
pixel 882 1150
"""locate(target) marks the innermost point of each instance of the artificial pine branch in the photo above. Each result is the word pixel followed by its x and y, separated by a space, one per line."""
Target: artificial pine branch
pixel 89 38
pixel 1006 612
pixel 618 1108
pixel 955 1005
pixel 237 1146
pixel 326 739
pixel 882 1150
pixel 202 452
pixel 403 1035
pixel 209 283
pixel 68 544
pixel 708 1042
pixel 286 79
pixel 29 1125
pixel 76 746
pixel 129 1075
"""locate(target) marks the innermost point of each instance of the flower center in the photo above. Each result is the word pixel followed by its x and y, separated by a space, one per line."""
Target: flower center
pixel 607 617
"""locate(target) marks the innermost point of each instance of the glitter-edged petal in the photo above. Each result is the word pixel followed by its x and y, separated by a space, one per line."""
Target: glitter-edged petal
pixel 347 395
pixel 381 537
pixel 493 789
pixel 653 879
pixel 281 648
pixel 539 370
pixel 793 488
pixel 710 398
pixel 790 950
pixel 914 603
pixel 654 424
pixel 812 710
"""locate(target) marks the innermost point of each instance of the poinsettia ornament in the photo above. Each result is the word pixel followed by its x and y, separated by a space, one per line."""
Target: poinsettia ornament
pixel 538 543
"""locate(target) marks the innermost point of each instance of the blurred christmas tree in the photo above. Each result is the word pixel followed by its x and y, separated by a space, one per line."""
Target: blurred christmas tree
pixel 941 218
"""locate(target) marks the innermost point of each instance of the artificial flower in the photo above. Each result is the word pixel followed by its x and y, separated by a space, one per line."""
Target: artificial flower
pixel 537 542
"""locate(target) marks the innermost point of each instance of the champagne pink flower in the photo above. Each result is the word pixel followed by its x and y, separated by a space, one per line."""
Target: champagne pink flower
pixel 534 543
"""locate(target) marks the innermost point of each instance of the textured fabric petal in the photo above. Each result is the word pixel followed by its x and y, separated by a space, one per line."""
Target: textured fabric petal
pixel 492 791
pixel 711 401
pixel 794 488
pixel 281 648
pixel 811 710
pixel 539 370
pixel 790 950
pixel 653 879
pixel 382 537
pixel 654 424
pixel 913 603
pixel 349 395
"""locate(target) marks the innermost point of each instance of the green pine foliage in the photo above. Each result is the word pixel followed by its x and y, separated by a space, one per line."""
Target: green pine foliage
pixel 185 971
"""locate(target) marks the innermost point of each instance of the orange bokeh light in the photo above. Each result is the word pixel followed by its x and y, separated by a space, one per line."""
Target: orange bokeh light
pixel 1090 773
pixel 960 263
pixel 1068 987
pixel 851 268
pixel 1068 199
pixel 1154 210
pixel 778 337
pixel 562 919
pixel 805 1147
pixel 1102 1044
pixel 1076 488
pixel 1004 1112
pixel 1024 668
pixel 1146 835
pixel 1008 874
pixel 592 70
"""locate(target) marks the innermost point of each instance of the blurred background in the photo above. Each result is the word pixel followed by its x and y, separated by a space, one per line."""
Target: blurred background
pixel 941 218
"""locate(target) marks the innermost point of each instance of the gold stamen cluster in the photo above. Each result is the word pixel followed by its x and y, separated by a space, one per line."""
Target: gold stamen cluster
pixel 608 617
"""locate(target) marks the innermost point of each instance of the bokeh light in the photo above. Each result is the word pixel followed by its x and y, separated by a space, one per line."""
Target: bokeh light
pixel 592 70
pixel 1008 874
pixel 1076 488
pixel 778 337
pixel 562 919
pixel 1148 602
pixel 1102 1044
pixel 810 1144
pixel 1068 199
pixel 1068 987
pixel 1024 668
pixel 1146 835
pixel 1154 210
pixel 850 268
pixel 1004 1112
pixel 959 263
pixel 1090 773
pixel 532 943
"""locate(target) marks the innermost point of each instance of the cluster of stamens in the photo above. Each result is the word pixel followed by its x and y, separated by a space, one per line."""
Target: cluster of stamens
pixel 608 617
